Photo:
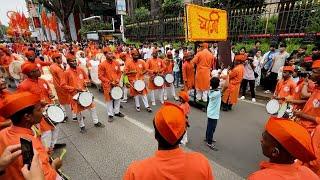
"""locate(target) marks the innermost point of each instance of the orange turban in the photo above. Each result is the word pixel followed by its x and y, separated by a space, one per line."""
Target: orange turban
pixel 288 68
pixel 26 68
pixel 29 53
pixel 293 137
pixel 170 122
pixel 106 50
pixel 70 57
pixel 240 57
pixel 184 95
pixel 18 101
pixel 55 55
pixel 205 45
pixel 316 64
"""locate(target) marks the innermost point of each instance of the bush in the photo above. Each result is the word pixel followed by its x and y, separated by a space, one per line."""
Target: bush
pixel 93 26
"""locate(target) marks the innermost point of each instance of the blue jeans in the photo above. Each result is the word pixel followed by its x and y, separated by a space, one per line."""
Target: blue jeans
pixel 176 76
pixel 211 128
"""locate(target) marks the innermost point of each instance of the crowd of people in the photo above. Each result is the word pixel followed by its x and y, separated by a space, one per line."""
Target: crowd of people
pixel 58 74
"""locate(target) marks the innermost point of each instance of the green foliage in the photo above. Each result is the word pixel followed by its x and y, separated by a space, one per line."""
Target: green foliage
pixel 235 3
pixel 269 28
pixel 314 25
pixel 3 30
pixel 141 14
pixel 172 7
pixel 93 26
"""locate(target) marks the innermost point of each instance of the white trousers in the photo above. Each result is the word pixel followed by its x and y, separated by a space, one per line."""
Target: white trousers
pixel 144 100
pixel 125 93
pixel 94 116
pixel 50 138
pixel 67 108
pixel 160 92
pixel 113 107
pixel 172 89
pixel 203 95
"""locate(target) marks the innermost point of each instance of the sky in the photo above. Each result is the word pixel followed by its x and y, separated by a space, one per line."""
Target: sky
pixel 11 5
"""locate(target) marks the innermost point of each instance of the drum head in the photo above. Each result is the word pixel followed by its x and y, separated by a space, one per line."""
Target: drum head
pixel 158 81
pixel 272 106
pixel 55 113
pixel 15 69
pixel 85 99
pixel 169 78
pixel 139 85
pixel 116 93
pixel 282 110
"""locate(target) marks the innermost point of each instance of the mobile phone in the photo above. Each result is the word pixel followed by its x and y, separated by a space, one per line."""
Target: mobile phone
pixel 27 151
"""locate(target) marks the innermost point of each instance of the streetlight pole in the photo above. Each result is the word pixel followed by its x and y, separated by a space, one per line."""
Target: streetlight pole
pixel 122 29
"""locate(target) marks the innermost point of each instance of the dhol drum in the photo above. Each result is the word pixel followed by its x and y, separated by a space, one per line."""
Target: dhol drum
pixel 158 81
pixel 273 106
pixel 84 98
pixel 54 113
pixel 169 78
pixel 139 85
pixel 116 93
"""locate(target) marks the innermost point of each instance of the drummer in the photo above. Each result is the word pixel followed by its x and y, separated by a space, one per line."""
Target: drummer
pixel 57 72
pixel 31 58
pixel 124 78
pixel 35 85
pixel 109 73
pixel 169 70
pixel 155 66
pixel 286 86
pixel 135 69
pixel 76 80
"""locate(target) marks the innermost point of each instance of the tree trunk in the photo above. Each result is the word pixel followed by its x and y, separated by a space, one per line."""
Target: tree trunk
pixel 66 31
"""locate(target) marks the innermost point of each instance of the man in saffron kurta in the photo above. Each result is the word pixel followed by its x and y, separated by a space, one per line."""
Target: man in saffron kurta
pixel 135 70
pixel 31 56
pixel 109 74
pixel 24 109
pixel 283 142
pixel 3 94
pixel 230 95
pixel 205 62
pixel 286 86
pixel 155 66
pixel 76 80
pixel 188 72
pixel 168 61
pixel 40 87
pixel 57 72
pixel 170 161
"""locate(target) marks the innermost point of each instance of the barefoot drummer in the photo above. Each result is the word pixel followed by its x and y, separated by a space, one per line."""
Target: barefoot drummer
pixel 135 69
pixel 109 73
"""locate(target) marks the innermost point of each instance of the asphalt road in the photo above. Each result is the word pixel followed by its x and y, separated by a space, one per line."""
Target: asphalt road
pixel 106 153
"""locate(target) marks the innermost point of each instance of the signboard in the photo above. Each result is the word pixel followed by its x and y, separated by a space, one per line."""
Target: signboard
pixel 205 24
pixel 121 7
pixel 107 37
pixel 93 36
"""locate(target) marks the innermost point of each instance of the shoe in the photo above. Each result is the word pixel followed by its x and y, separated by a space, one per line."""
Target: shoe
pixel 165 98
pixel 83 130
pixel 99 124
pixel 59 146
pixel 242 98
pixel 153 103
pixel 161 102
pixel 74 119
pixel 110 119
pixel 225 109
pixel 211 146
pixel 253 100
pixel 149 109
pixel 123 100
pixel 119 114
pixel 138 109
pixel 176 98
pixel 267 92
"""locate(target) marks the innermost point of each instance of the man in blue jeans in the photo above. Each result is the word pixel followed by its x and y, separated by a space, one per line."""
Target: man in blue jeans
pixel 213 111
pixel 176 68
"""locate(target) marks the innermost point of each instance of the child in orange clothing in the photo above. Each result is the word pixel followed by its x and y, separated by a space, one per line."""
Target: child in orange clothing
pixel 184 104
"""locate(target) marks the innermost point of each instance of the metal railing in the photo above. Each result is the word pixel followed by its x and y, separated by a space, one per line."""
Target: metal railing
pixel 274 19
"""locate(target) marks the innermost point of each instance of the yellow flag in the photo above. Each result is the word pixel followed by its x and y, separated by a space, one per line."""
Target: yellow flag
pixel 205 24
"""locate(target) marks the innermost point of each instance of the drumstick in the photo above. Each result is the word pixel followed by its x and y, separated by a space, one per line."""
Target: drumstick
pixel 63 153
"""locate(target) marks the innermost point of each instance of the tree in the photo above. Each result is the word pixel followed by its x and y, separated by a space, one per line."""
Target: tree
pixel 62 9
pixel 172 7
pixel 3 30
pixel 235 3
pixel 141 14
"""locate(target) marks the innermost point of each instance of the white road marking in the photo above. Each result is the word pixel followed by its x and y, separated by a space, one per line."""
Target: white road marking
pixel 225 172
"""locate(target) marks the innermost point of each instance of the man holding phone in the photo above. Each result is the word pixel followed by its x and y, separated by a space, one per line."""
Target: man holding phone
pixel 24 109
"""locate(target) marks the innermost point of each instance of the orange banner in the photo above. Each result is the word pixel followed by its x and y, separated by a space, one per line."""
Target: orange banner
pixel 205 24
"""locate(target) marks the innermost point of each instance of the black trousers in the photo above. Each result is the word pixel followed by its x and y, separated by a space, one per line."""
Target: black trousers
pixel 271 82
pixel 211 128
pixel 244 85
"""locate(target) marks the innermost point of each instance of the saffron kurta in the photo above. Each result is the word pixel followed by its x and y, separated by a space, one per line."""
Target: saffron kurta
pixel 140 68
pixel 188 75
pixel 57 73
pixel 230 95
pixel 155 66
pixel 285 88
